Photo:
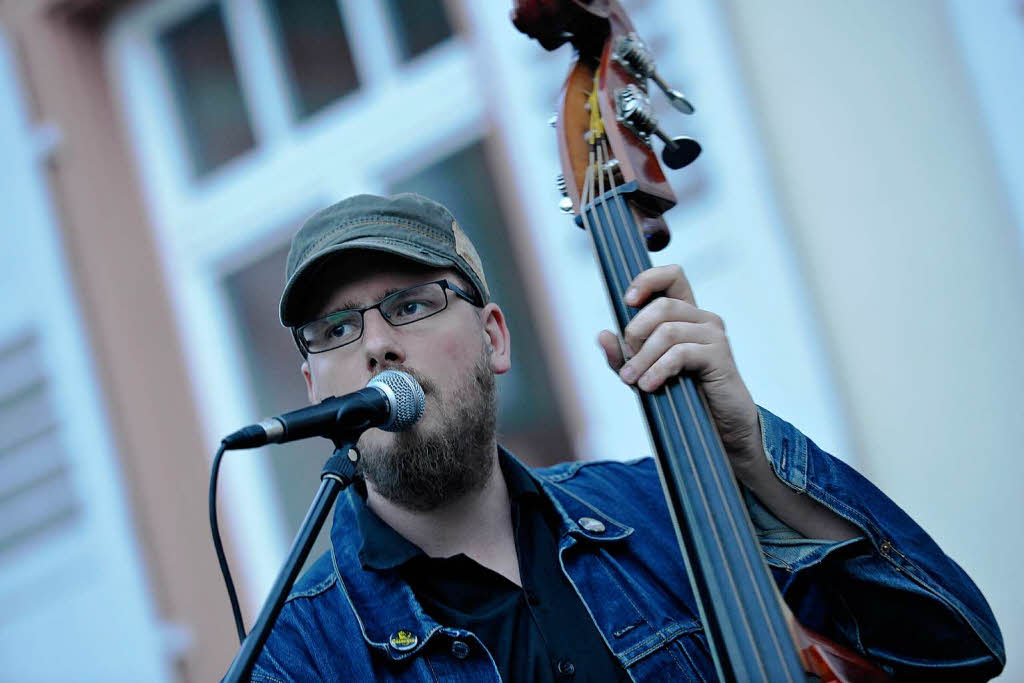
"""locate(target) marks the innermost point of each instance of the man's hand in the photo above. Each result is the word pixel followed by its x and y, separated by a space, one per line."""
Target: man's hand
pixel 669 336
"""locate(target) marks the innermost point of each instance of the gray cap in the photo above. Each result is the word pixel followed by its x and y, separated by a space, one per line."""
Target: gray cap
pixel 406 225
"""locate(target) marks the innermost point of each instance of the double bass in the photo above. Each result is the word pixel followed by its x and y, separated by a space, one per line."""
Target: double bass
pixel 614 185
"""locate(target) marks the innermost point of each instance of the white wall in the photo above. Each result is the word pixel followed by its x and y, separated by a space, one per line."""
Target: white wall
pixel 726 230
pixel 902 217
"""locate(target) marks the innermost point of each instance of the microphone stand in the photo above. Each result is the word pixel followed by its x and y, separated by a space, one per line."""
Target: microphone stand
pixel 338 472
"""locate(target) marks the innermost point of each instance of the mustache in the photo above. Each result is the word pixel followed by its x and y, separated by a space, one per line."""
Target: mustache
pixel 429 387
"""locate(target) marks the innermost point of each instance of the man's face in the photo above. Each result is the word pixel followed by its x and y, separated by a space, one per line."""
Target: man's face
pixel 453 354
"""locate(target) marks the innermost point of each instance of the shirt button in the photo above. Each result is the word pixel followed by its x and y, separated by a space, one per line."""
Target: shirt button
pixel 460 650
pixel 592 525
pixel 566 669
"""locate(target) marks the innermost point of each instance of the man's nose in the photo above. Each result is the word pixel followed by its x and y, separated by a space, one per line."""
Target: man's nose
pixel 380 341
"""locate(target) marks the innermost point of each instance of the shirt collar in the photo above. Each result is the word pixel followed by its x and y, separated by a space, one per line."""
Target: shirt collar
pixel 521 484
pixel 384 548
pixel 383 603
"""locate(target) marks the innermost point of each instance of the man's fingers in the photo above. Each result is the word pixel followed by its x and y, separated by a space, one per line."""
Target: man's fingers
pixel 669 280
pixel 667 310
pixel 612 349
pixel 690 357
pixel 665 342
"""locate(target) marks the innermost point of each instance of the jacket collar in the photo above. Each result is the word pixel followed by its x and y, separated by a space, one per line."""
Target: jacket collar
pixel 384 548
pixel 388 613
pixel 576 510
pixel 389 616
pixel 381 546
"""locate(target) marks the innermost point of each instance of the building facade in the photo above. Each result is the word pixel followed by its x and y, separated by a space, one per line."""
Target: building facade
pixel 854 219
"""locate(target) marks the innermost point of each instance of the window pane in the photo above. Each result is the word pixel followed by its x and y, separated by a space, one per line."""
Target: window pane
pixel 276 385
pixel 206 84
pixel 316 51
pixel 418 25
pixel 529 419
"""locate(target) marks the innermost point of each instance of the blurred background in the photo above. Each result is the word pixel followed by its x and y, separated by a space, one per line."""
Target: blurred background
pixel 857 220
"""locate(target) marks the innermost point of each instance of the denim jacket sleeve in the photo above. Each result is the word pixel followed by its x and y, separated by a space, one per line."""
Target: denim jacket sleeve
pixel 892 593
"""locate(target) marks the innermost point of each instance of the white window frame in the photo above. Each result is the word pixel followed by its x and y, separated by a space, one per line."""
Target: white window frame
pixel 210 226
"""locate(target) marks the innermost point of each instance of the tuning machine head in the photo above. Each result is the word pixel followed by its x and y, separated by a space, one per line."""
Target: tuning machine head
pixel 633 54
pixel 679 152
pixel 633 110
pixel 565 203
pixel 675 98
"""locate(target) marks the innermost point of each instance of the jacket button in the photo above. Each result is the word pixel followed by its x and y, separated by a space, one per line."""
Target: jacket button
pixel 592 525
pixel 460 650
pixel 566 668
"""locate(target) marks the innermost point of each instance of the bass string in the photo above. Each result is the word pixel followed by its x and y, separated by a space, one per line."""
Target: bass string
pixel 767 593
pixel 745 542
pixel 595 167
pixel 616 286
pixel 674 414
pixel 600 243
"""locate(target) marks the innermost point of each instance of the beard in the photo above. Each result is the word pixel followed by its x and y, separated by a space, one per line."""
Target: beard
pixel 423 470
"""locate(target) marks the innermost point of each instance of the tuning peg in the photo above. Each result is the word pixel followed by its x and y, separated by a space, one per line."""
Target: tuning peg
pixel 633 53
pixel 633 109
pixel 564 204
pixel 676 98
pixel 680 151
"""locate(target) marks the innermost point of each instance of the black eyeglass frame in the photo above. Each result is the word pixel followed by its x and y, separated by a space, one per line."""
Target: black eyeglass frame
pixel 445 285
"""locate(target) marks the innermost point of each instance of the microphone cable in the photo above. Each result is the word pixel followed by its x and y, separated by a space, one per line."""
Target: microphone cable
pixel 405 403
pixel 236 610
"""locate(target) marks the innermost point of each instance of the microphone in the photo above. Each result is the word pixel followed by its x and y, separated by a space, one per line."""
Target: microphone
pixel 392 401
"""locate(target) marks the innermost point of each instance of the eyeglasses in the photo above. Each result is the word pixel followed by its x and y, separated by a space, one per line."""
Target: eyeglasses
pixel 401 308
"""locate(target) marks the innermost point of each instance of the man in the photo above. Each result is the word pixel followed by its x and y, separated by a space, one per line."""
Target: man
pixel 452 561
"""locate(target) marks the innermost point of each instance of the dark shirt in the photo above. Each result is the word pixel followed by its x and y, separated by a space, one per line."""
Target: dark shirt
pixel 540 632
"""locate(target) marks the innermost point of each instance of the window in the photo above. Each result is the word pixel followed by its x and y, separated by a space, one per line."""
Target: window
pixel 276 384
pixel 418 25
pixel 315 50
pixel 529 422
pixel 268 96
pixel 207 90
pixel 37 496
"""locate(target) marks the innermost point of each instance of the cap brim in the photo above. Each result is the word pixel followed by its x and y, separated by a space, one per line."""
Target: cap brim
pixel 295 289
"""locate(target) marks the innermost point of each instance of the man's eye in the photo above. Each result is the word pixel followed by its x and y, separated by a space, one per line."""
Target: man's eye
pixel 340 330
pixel 410 308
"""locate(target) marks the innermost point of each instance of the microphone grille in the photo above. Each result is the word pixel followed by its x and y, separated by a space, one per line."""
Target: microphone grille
pixel 407 399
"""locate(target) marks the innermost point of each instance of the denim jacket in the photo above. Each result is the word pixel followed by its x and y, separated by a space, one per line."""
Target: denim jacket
pixel 891 594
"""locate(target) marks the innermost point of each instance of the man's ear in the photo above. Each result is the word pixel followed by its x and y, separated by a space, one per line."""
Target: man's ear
pixel 496 335
pixel 308 376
